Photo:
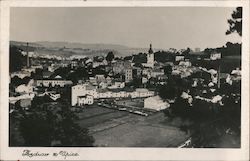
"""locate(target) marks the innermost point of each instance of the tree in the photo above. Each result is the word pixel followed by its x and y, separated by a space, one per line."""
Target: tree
pixel 187 51
pixel 167 69
pixel 110 56
pixel 235 23
pixel 17 60
pixel 53 125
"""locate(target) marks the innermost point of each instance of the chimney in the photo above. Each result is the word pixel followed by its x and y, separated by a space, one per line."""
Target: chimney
pixel 218 76
pixel 27 50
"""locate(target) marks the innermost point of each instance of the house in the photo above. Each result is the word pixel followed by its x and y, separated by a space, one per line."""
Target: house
pixel 93 80
pixel 157 72
pixel 188 97
pixel 82 90
pixel 21 97
pixel 25 88
pixel 29 70
pixel 87 89
pixel 47 74
pixel 236 72
pixel 155 103
pixel 20 74
pixel 73 64
pixel 25 102
pixel 128 74
pixel 117 85
pixel 144 80
pixel 53 82
pixel 53 67
pixel 179 57
pixel 185 63
pixel 147 71
pixel 119 67
pixel 215 56
pixel 54 96
pixel 85 100
pixel 100 78
pixel 143 92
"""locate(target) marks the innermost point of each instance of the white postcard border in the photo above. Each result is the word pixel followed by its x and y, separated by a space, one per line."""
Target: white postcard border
pixel 12 153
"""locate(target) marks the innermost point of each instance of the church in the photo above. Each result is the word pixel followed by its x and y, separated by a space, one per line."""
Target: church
pixel 150 58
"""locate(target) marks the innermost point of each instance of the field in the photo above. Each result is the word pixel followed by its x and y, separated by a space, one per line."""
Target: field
pixel 113 128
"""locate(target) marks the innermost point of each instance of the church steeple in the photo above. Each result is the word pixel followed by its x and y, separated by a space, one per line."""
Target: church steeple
pixel 150 57
pixel 150 51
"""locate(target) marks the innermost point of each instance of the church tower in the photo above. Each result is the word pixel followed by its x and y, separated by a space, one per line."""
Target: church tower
pixel 150 57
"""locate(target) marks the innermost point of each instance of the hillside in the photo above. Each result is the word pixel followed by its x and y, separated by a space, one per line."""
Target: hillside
pixel 68 49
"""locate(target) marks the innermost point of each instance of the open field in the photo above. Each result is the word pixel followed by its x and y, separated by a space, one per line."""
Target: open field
pixel 113 128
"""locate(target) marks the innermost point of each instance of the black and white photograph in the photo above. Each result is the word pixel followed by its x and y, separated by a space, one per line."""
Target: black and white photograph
pixel 125 77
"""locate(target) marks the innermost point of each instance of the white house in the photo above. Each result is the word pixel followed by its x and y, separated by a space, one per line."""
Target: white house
pixel 215 56
pixel 117 85
pixel 82 90
pixel 53 83
pixel 54 96
pixel 155 103
pixel 185 63
pixel 87 89
pixel 85 100
pixel 21 97
pixel 179 57
pixel 143 92
pixel 25 88
pixel 20 74
pixel 157 72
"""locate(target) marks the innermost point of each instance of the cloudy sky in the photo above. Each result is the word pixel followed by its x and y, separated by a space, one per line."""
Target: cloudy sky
pixel 164 27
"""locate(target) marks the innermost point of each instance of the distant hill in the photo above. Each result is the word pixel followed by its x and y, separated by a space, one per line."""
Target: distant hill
pixel 68 48
pixel 80 45
pixel 19 43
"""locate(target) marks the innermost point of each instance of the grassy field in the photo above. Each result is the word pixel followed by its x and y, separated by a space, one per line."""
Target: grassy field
pixel 113 128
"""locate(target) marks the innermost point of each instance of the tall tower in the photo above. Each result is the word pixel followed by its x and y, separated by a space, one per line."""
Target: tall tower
pixel 27 50
pixel 150 57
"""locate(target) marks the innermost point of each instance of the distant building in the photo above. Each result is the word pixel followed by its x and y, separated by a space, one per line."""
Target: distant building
pixel 157 72
pixel 155 103
pixel 215 56
pixel 74 64
pixel 179 57
pixel 197 49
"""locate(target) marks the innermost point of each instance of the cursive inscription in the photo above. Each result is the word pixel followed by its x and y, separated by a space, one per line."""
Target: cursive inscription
pixel 64 154
pixel 34 154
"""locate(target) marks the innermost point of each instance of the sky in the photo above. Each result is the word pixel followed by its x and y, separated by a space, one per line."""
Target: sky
pixel 164 27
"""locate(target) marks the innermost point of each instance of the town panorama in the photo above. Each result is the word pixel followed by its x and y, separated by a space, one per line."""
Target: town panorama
pixel 70 95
